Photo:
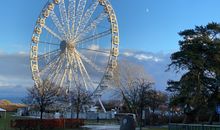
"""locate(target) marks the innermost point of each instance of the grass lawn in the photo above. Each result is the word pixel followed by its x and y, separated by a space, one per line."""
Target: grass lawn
pixel 155 129
pixel 5 123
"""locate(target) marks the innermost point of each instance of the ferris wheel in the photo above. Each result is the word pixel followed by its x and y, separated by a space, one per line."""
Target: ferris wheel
pixel 75 43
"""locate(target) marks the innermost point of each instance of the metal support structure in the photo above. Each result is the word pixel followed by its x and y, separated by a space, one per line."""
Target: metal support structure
pixel 103 108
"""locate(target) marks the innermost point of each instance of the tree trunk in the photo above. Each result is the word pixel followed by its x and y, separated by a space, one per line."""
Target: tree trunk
pixel 185 119
pixel 141 114
pixel 78 104
pixel 126 100
pixel 153 117
pixel 71 110
pixel 41 117
pixel 211 118
pixel 78 109
pixel 77 114
pixel 197 119
pixel 41 113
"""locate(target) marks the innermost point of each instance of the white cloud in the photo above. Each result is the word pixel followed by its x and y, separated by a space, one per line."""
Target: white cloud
pixel 12 81
pixel 22 53
pixel 157 59
pixel 15 70
pixel 142 56
pixel 94 47
pixel 128 54
pixel 15 74
pixel 155 64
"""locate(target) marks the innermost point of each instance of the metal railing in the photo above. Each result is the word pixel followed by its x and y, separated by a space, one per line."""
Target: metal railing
pixel 193 127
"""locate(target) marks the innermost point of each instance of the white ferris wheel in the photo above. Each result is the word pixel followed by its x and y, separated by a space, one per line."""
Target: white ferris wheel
pixel 75 42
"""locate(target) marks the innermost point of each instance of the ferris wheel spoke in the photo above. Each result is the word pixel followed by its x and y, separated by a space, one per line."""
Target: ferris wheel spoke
pixel 52 32
pixel 88 77
pixel 82 65
pixel 49 64
pixel 53 66
pixel 58 73
pixel 74 77
pixel 58 25
pixel 69 74
pixel 93 50
pixel 49 43
pixel 70 66
pixel 80 11
pixel 61 73
pixel 72 15
pixel 66 72
pixel 55 74
pixel 54 77
pixel 72 10
pixel 87 16
pixel 94 37
pixel 63 15
pixel 92 25
pixel 48 53
pixel 75 70
pixel 87 60
pixel 55 56
pixel 81 71
pixel 63 77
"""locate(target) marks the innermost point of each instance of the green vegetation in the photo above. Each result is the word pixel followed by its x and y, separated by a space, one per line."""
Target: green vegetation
pixel 197 91
pixel 5 123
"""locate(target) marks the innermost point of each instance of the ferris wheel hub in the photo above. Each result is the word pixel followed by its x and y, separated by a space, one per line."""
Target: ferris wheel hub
pixel 69 46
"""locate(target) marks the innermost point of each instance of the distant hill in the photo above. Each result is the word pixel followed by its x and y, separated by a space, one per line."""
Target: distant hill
pixel 9 106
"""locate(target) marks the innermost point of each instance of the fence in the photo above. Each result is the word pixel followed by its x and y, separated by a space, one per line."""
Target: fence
pixel 46 123
pixel 193 127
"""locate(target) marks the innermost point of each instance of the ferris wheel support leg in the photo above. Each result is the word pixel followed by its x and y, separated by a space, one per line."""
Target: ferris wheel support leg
pixel 103 108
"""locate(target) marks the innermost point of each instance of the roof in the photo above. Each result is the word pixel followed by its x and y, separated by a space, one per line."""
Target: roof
pixel 2 110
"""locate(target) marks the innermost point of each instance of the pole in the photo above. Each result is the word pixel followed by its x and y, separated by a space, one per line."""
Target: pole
pixel 103 108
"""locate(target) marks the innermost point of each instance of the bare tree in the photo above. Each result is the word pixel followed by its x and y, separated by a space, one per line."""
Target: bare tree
pixel 157 99
pixel 126 72
pixel 78 98
pixel 138 96
pixel 42 96
pixel 125 75
pixel 134 85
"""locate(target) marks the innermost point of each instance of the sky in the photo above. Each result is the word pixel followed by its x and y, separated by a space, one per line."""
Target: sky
pixel 146 25
pixel 148 34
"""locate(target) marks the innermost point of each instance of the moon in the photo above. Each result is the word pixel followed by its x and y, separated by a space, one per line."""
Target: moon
pixel 147 10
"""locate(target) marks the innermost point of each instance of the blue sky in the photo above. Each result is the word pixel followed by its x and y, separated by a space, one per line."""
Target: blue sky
pixel 152 25
pixel 146 25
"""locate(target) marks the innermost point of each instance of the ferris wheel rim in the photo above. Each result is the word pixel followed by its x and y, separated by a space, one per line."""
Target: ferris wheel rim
pixel 112 61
